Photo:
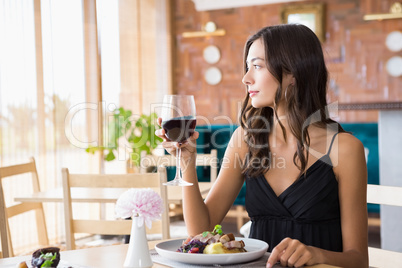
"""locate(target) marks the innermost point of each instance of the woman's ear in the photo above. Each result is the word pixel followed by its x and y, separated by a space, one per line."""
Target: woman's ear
pixel 288 79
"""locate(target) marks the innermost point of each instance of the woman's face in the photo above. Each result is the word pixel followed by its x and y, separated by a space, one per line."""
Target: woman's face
pixel 261 84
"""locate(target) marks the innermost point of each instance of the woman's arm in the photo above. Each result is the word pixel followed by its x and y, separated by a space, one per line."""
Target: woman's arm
pixel 351 172
pixel 350 169
pixel 202 216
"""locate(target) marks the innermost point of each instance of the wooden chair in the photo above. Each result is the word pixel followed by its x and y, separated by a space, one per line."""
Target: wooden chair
pixel 7 212
pixel 111 227
pixel 205 160
pixel 384 195
pixel 240 213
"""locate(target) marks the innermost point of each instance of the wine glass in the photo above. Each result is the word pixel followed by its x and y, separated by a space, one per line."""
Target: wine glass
pixel 178 121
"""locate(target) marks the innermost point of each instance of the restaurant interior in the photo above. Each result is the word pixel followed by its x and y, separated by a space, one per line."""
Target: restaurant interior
pixel 71 70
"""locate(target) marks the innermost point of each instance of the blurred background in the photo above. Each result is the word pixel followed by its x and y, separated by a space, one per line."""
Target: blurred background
pixel 67 65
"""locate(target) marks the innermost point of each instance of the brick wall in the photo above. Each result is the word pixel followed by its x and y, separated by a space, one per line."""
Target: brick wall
pixel 354 49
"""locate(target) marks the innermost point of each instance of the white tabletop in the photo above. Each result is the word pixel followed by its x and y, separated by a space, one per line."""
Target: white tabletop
pixel 99 257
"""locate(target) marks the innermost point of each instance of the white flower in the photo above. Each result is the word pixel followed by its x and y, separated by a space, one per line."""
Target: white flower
pixel 145 204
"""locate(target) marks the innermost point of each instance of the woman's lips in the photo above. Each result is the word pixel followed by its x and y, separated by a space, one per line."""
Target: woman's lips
pixel 252 93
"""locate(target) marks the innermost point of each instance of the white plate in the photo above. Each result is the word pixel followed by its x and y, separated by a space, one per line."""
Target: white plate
pixel 255 249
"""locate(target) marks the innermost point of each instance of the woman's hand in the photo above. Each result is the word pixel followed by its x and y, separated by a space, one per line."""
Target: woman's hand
pixel 292 253
pixel 188 148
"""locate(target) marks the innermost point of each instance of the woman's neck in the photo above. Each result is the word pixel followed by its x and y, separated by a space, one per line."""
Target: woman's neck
pixel 278 134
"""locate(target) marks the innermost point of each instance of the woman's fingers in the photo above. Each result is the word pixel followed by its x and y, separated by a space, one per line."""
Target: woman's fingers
pixel 273 258
pixel 278 252
pixel 160 133
pixel 295 258
pixel 191 141
pixel 284 258
pixel 290 253
pixel 195 136
pixel 170 147
pixel 305 259
pixel 188 147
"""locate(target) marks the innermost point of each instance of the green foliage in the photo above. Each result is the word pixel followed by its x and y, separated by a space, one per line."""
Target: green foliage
pixel 126 130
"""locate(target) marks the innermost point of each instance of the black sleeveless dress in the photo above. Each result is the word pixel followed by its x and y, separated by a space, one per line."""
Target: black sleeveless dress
pixel 308 210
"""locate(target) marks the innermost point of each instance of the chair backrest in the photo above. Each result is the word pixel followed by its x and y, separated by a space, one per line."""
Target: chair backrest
pixel 210 160
pixel 10 211
pixel 384 195
pixel 111 227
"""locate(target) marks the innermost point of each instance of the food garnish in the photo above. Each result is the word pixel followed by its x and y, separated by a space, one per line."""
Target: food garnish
pixel 216 230
pixel 49 258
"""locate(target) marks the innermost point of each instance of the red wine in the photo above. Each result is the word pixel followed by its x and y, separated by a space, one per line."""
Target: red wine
pixel 179 129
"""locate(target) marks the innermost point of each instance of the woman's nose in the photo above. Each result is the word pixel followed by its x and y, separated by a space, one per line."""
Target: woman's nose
pixel 246 79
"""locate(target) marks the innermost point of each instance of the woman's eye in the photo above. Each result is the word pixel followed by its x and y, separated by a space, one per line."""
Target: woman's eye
pixel 257 67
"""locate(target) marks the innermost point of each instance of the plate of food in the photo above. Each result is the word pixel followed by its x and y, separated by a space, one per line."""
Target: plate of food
pixel 211 248
pixel 44 257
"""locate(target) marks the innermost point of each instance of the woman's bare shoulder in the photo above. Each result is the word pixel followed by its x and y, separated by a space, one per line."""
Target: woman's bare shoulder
pixel 348 143
pixel 237 143
pixel 348 156
pixel 238 137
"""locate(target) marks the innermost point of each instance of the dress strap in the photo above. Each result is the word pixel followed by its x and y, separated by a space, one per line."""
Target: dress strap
pixel 330 146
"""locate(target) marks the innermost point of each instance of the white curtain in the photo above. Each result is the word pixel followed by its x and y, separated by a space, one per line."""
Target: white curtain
pixel 41 81
pixel 48 57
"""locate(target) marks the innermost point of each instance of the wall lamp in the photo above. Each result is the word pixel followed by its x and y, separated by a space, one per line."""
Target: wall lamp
pixel 395 12
pixel 208 30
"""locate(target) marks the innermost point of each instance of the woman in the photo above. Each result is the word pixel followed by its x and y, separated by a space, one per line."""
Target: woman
pixel 305 176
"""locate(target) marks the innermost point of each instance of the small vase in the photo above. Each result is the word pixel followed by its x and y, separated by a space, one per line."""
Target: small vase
pixel 138 251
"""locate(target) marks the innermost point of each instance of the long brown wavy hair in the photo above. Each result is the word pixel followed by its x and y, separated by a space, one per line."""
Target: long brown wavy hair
pixel 289 49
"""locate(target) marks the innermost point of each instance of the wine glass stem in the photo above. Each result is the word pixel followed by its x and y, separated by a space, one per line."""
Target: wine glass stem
pixel 178 160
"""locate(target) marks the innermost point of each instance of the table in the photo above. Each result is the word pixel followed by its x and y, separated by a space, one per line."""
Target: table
pixel 99 195
pixel 100 257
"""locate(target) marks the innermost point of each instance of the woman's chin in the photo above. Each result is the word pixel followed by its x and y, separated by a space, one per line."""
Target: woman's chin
pixel 258 104
pixel 255 103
